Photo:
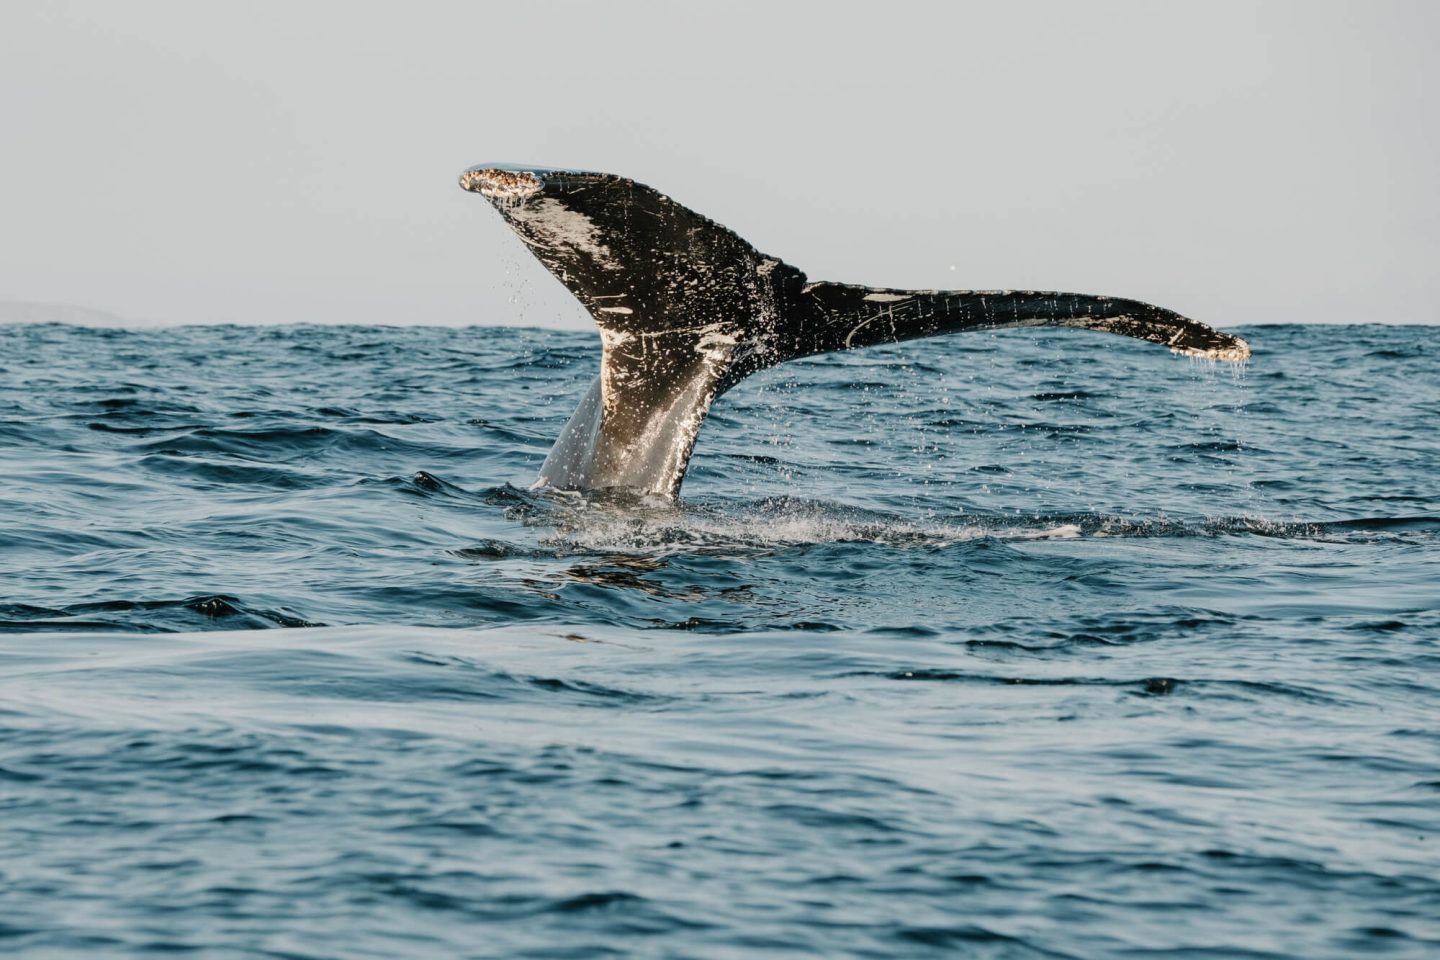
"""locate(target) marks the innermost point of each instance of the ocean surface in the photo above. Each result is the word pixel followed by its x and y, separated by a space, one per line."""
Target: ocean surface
pixel 1032 644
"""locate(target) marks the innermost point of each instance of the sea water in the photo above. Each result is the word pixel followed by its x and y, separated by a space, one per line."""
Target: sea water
pixel 1034 644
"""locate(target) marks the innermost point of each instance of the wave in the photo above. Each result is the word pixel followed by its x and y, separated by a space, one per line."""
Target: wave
pixel 210 611
pixel 623 522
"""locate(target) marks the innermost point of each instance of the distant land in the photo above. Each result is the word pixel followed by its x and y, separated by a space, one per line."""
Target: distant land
pixel 23 311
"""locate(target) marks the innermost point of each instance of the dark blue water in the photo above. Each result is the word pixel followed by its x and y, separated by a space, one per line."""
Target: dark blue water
pixel 1016 645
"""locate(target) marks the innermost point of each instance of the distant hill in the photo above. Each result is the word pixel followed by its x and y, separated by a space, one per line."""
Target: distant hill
pixel 21 311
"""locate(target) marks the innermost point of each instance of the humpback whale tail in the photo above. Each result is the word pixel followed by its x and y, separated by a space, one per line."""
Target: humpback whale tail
pixel 687 309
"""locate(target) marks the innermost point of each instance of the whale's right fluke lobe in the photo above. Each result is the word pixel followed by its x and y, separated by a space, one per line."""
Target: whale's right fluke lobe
pixel 686 309
pixel 846 316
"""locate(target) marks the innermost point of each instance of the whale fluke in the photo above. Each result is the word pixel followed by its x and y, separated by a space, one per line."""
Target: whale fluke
pixel 687 309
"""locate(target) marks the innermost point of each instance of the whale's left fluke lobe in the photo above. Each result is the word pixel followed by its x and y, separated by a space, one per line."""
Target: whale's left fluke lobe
pixel 686 309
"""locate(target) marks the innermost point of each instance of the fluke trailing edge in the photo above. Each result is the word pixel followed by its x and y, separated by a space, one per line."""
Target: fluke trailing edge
pixel 687 309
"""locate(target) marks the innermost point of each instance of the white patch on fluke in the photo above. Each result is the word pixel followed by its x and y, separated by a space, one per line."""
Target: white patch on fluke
pixel 550 223
pixel 887 297
pixel 611 338
pixel 716 343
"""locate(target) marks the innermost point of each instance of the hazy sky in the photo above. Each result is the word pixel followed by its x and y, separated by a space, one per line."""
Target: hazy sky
pixel 282 162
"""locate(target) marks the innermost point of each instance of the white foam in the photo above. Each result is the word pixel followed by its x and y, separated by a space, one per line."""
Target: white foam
pixel 659 528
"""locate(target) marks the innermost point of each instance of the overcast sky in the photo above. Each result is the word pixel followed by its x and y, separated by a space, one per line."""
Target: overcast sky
pixel 296 162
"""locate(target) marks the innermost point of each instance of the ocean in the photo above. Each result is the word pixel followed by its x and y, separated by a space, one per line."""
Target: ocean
pixel 1011 645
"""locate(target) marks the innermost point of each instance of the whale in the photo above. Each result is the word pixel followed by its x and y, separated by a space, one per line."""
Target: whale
pixel 687 309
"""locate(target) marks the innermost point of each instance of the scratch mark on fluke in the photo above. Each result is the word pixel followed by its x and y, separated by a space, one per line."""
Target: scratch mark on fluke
pixel 687 309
